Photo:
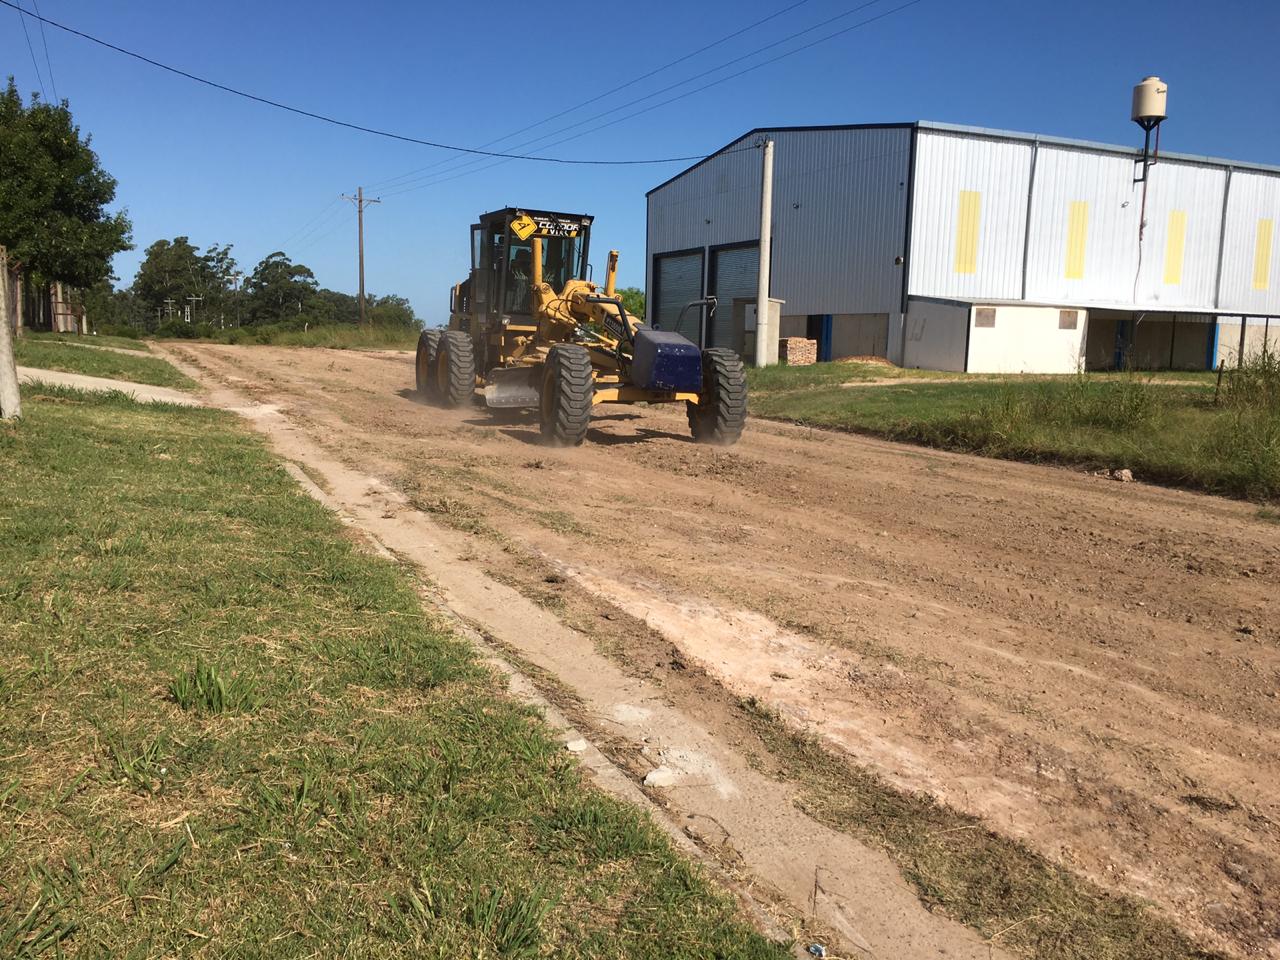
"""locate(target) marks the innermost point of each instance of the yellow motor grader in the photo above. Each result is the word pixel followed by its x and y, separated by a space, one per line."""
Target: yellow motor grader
pixel 529 329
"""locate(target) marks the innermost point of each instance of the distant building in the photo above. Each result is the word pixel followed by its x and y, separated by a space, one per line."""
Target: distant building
pixel 958 248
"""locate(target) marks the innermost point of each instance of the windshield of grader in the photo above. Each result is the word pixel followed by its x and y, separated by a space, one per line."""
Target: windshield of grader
pixel 561 262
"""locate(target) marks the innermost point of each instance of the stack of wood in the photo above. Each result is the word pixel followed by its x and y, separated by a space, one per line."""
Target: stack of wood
pixel 797 351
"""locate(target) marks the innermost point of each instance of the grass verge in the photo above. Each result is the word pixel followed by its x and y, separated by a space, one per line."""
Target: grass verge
pixel 1011 895
pixel 224 728
pixel 1166 432
pixel 97 340
pixel 337 336
pixel 52 355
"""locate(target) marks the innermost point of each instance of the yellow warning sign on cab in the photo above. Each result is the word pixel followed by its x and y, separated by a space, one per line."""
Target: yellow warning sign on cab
pixel 524 226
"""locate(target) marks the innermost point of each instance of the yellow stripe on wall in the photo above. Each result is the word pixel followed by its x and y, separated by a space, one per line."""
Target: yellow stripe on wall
pixel 1175 245
pixel 1262 256
pixel 1077 233
pixel 967 231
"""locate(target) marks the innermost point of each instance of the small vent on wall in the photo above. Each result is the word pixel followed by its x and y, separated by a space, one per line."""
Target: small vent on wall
pixel 1068 319
pixel 984 317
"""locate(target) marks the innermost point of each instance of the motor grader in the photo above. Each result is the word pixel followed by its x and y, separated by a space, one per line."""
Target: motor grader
pixel 529 328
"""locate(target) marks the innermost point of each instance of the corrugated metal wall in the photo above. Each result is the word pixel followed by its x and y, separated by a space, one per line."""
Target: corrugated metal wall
pixel 994 217
pixel 1251 247
pixel 969 222
pixel 839 216
pixel 969 216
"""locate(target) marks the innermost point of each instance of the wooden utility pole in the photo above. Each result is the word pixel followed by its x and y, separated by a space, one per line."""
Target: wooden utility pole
pixel 10 398
pixel 360 203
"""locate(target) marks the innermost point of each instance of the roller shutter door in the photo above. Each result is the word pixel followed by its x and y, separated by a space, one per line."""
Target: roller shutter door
pixel 733 277
pixel 677 280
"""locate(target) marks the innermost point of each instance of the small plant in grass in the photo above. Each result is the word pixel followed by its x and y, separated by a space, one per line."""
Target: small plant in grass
pixel 513 924
pixel 204 689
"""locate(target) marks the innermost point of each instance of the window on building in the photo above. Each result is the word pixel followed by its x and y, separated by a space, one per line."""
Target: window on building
pixel 984 317
pixel 1068 319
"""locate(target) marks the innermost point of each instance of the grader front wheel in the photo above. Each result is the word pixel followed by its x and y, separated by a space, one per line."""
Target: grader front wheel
pixel 424 362
pixel 455 369
pixel 721 411
pixel 566 396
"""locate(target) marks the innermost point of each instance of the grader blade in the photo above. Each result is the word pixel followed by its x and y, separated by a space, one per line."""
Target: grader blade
pixel 511 387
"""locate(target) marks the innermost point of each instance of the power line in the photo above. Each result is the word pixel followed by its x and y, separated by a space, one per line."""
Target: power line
pixel 49 63
pixel 608 93
pixel 687 93
pixel 22 16
pixel 656 93
pixel 306 226
pixel 405 138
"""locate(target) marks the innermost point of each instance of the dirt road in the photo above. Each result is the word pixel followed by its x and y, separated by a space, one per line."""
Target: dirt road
pixel 1090 666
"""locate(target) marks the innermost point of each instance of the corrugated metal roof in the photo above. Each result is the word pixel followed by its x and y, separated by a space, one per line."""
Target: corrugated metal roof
pixel 987 132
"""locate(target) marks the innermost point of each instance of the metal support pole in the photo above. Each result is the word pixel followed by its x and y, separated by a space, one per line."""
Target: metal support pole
pixel 763 331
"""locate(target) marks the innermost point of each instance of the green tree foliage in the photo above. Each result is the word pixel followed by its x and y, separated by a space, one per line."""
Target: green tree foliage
pixel 633 301
pixel 54 194
pixel 279 289
pixel 391 311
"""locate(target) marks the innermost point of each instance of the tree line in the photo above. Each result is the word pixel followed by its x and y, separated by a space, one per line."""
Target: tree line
pixel 181 291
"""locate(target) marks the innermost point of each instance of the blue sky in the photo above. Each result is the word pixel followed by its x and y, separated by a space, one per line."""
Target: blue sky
pixel 195 161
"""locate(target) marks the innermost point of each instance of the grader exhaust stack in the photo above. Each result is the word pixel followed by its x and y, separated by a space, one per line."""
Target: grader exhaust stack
pixel 528 329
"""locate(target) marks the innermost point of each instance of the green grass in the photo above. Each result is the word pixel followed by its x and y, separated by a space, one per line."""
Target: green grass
pixel 99 340
pixel 50 355
pixel 1165 432
pixel 335 336
pixel 1009 894
pixel 226 731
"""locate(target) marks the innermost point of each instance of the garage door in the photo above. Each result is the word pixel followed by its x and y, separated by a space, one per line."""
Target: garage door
pixel 733 277
pixel 677 280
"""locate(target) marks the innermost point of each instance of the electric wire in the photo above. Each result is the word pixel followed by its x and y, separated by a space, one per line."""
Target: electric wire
pixel 608 93
pixel 681 96
pixel 22 16
pixel 307 226
pixel 324 118
pixel 47 61
pixel 656 93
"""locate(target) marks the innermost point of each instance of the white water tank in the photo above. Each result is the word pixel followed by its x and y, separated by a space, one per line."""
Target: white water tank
pixel 1149 101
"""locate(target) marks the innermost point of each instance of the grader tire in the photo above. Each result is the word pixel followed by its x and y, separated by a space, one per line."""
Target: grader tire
pixel 566 396
pixel 721 411
pixel 424 362
pixel 455 369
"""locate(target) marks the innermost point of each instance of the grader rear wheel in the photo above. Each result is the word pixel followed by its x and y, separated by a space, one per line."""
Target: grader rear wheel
pixel 566 397
pixel 424 362
pixel 721 411
pixel 455 369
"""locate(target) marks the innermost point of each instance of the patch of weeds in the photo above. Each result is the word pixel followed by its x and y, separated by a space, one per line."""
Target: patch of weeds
pixel 1269 514
pixel 1007 892
pixel 205 689
pixel 560 522
pixel 511 921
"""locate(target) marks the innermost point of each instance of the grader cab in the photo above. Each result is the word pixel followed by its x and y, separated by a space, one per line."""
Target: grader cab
pixel 529 328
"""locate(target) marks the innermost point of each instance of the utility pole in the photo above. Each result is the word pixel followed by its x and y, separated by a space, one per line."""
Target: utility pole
pixel 168 307
pixel 192 305
pixel 360 203
pixel 763 307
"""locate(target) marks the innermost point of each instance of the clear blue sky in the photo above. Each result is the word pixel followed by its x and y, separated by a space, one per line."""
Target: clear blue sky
pixel 194 161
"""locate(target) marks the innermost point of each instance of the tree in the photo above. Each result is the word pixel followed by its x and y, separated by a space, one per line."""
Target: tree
pixel 279 289
pixel 392 311
pixel 53 198
pixel 54 195
pixel 170 272
pixel 633 301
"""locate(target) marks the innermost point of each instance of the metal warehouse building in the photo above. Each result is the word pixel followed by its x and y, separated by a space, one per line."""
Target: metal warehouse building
pixel 957 248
